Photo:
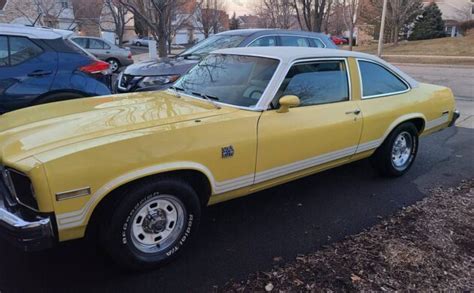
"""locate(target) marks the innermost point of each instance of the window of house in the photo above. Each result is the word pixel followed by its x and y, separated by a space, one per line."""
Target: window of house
pixel 314 83
pixel 269 41
pixel 377 80
pixel 22 49
pixel 294 41
pixel 3 3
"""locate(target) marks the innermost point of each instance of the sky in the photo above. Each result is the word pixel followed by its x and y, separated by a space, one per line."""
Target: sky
pixel 240 7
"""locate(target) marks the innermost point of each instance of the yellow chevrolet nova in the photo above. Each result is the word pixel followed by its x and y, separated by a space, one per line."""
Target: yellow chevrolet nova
pixel 136 169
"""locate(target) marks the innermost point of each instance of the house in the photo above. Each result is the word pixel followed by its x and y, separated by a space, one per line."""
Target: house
pixel 454 12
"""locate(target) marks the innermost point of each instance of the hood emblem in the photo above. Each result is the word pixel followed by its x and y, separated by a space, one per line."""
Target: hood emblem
pixel 228 152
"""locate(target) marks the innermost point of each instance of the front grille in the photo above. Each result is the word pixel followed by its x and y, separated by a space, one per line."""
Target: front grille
pixel 125 80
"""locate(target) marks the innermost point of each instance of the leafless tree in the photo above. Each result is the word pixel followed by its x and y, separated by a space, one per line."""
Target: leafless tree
pixel 42 12
pixel 210 16
pixel 312 13
pixel 120 16
pixel 276 13
pixel 351 14
pixel 155 14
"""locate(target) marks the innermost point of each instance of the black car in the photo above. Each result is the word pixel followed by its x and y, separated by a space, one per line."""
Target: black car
pixel 160 74
pixel 41 65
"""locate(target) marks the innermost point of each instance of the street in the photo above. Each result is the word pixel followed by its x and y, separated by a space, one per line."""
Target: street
pixel 245 235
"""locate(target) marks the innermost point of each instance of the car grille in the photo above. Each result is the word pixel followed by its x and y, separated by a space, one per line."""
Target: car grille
pixel 125 81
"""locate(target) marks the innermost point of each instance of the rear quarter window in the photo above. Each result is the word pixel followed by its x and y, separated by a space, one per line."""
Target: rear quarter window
pixel 377 80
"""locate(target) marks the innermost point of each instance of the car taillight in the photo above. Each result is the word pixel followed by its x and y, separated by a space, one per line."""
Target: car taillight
pixel 96 67
pixel 129 55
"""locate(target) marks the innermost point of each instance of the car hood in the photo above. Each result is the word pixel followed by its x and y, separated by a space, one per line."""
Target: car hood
pixel 32 131
pixel 165 66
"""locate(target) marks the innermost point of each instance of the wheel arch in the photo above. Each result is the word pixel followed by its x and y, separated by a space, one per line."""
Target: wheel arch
pixel 200 178
pixel 418 119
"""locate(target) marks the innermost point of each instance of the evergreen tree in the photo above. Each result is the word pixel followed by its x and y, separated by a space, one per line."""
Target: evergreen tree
pixel 429 25
pixel 234 22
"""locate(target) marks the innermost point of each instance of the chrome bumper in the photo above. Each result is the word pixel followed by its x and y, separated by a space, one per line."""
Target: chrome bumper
pixel 456 115
pixel 29 235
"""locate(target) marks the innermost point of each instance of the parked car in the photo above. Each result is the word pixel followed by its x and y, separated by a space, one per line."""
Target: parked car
pixel 339 40
pixel 143 41
pixel 106 51
pixel 157 75
pixel 138 168
pixel 40 65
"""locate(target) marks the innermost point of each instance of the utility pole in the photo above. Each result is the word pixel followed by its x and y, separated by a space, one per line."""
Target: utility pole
pixel 382 28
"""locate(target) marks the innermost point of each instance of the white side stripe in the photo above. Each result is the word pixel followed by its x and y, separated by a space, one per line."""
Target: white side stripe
pixel 76 218
pixel 437 122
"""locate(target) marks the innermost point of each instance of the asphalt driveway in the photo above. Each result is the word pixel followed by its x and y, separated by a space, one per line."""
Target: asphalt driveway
pixel 245 235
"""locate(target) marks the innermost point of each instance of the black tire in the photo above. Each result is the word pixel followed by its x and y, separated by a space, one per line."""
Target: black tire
pixel 384 160
pixel 116 234
pixel 138 44
pixel 113 61
pixel 57 97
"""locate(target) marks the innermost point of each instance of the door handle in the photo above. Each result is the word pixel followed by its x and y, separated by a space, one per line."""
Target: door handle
pixel 355 112
pixel 40 73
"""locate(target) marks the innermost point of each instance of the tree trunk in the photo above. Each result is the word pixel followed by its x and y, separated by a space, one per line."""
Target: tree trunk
pixel 351 37
pixel 395 35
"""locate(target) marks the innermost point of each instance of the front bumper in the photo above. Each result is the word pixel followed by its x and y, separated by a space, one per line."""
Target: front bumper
pixel 456 115
pixel 36 233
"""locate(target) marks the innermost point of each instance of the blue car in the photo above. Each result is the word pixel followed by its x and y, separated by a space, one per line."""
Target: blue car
pixel 41 65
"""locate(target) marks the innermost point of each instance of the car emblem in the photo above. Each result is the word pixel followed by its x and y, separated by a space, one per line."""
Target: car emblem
pixel 227 152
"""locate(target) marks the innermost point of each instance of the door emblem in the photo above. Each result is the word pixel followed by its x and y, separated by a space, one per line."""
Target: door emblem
pixel 227 152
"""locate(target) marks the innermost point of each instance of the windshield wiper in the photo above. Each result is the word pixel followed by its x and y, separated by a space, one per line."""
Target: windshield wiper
pixel 177 89
pixel 210 99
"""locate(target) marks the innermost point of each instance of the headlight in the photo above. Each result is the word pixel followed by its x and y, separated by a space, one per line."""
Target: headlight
pixel 157 80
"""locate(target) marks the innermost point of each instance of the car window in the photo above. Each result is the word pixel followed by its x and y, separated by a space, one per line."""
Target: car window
pixel 81 42
pixel 214 43
pixel 293 41
pixel 316 83
pixel 376 80
pixel 96 44
pixel 22 49
pixel 232 79
pixel 3 51
pixel 317 43
pixel 269 41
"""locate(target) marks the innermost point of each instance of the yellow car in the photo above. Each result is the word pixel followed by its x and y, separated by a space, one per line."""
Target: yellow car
pixel 135 170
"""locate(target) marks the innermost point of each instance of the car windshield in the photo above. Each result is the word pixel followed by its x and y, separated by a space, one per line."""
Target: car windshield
pixel 232 79
pixel 213 43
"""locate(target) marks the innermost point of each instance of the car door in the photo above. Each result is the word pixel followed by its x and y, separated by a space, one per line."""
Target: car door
pixel 27 70
pixel 323 131
pixel 99 48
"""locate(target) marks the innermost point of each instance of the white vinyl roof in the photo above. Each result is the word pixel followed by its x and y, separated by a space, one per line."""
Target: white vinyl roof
pixel 290 54
pixel 33 32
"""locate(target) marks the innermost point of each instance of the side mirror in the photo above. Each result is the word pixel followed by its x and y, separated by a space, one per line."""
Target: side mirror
pixel 286 102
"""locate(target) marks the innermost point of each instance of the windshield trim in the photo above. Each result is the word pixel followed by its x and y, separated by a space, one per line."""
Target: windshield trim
pixel 261 104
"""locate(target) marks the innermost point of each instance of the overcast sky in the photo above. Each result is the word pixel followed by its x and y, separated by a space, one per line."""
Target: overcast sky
pixel 240 7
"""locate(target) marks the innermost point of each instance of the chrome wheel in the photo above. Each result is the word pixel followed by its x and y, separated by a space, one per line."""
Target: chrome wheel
pixel 114 66
pixel 157 223
pixel 402 151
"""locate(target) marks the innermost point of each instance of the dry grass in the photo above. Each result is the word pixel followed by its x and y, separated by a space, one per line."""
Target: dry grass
pixel 441 47
pixel 426 247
